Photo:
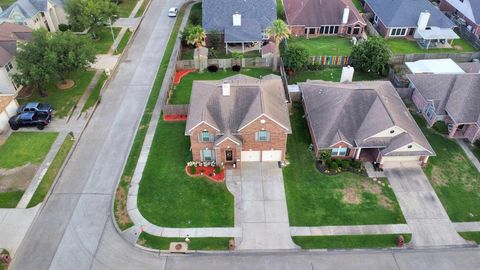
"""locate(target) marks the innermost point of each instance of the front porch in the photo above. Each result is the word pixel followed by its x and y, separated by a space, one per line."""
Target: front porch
pixel 367 154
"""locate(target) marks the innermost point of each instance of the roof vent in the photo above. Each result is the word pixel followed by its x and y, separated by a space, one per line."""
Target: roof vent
pixel 237 19
pixel 226 89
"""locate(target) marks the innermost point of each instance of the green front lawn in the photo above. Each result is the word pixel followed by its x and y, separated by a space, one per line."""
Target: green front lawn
pixel 104 40
pixel 327 45
pixel 454 178
pixel 64 100
pixel 330 74
pixel 349 241
pixel 163 243
pixel 52 172
pixel 404 46
pixel 168 197
pixel 10 199
pixel 181 92
pixel 315 199
pixel 471 236
pixel 126 7
pixel 25 147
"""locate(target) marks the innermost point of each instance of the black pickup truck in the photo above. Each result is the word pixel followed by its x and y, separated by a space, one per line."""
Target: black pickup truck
pixel 30 119
pixel 35 107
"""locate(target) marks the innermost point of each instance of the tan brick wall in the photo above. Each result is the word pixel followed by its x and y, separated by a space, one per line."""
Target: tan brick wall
pixel 278 137
pixel 196 144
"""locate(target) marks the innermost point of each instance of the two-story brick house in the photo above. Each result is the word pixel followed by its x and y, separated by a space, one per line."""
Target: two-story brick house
pixel 238 119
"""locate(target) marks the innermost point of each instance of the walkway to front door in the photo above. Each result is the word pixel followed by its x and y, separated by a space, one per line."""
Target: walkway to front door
pixel 260 206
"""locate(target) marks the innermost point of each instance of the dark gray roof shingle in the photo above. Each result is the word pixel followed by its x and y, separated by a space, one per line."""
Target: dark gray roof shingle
pixel 405 13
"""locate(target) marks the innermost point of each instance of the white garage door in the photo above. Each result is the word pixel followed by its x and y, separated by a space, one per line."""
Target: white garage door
pixel 392 161
pixel 273 155
pixel 250 156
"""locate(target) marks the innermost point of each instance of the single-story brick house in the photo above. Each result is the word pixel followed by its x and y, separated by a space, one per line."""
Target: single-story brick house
pixel 313 18
pixel 451 98
pixel 468 10
pixel 363 120
pixel 238 119
pixel 413 19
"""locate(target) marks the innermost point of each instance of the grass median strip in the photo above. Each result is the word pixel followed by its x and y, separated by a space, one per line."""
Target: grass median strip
pixel 120 205
pixel 471 236
pixel 163 243
pixel 95 94
pixel 123 43
pixel 52 171
pixel 349 241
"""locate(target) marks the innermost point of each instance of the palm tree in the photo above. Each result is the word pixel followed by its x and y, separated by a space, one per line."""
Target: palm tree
pixel 278 31
pixel 195 36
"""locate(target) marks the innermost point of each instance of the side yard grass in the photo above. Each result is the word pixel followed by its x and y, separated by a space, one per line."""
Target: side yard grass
pixel 323 45
pixel 123 42
pixel 142 8
pixel 104 40
pixel 64 100
pixel 349 241
pixel 125 8
pixel 182 91
pixel 403 46
pixel 52 171
pixel 454 178
pixel 95 94
pixel 168 197
pixel 315 199
pixel 330 74
pixel 120 212
pixel 21 155
pixel 163 243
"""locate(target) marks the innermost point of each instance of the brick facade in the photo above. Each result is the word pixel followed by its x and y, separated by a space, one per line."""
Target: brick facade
pixel 446 7
pixel 278 140
pixel 299 31
pixel 384 30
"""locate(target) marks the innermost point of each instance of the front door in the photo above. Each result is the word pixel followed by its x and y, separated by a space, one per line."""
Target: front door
pixel 228 155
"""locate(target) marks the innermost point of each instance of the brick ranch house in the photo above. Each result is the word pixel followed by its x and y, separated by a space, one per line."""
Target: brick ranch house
pixel 468 10
pixel 451 98
pixel 411 19
pixel 238 119
pixel 313 18
pixel 362 120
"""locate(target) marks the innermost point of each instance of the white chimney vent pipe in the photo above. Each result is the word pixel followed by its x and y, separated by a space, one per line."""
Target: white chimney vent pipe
pixel 423 20
pixel 346 13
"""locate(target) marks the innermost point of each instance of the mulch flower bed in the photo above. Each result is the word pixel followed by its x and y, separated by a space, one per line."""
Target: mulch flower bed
pixel 174 117
pixel 180 74
pixel 208 171
pixel 321 167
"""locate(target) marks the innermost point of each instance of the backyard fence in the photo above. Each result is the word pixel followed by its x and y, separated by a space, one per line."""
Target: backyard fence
pixel 457 57
pixel 330 60
pixel 175 109
pixel 257 62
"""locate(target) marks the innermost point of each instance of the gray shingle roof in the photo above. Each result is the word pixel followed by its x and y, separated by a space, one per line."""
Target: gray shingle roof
pixel 457 94
pixel 28 8
pixel 9 35
pixel 320 12
pixel 249 98
pixel 405 13
pixel 358 111
pixel 217 15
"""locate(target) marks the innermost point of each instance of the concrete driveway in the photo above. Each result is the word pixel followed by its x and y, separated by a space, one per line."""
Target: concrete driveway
pixel 421 207
pixel 261 207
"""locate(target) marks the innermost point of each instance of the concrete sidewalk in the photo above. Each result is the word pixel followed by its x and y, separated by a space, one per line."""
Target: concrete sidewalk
pixel 14 224
pixel 351 230
pixel 421 207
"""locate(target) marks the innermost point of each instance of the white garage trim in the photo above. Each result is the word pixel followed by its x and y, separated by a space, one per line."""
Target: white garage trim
pixel 398 159
pixel 249 156
pixel 272 155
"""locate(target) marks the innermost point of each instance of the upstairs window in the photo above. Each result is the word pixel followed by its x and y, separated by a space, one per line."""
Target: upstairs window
pixel 9 66
pixel 262 136
pixel 340 151
pixel 204 136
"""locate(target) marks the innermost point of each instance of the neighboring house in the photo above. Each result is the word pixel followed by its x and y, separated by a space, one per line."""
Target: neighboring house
pixel 241 22
pixel 238 119
pixel 10 35
pixel 442 66
pixel 413 19
pixel 36 14
pixel 468 10
pixel 313 18
pixel 451 98
pixel 8 108
pixel 362 120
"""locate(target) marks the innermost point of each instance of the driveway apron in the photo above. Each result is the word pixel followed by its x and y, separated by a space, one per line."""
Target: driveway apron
pixel 261 208
pixel 421 207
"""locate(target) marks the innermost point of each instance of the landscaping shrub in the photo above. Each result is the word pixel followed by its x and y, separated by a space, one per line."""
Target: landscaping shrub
pixel 326 155
pixel 236 68
pixel 328 163
pixel 345 164
pixel 356 164
pixel 212 68
pixel 334 166
pixel 218 169
pixel 314 67
pixel 477 143
pixel 440 127
pixel 193 169
pixel 63 27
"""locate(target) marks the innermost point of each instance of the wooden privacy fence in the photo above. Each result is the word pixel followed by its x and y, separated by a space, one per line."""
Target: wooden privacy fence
pixel 175 109
pixel 458 57
pixel 330 60
pixel 228 63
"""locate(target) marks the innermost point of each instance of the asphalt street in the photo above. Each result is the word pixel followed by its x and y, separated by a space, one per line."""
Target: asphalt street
pixel 75 230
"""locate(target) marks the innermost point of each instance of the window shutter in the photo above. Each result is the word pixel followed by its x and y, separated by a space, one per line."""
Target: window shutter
pixel 348 152
pixel 268 136
pixel 211 137
pixel 201 155
pixel 256 136
pixel 199 137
